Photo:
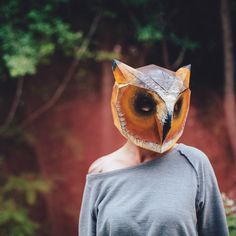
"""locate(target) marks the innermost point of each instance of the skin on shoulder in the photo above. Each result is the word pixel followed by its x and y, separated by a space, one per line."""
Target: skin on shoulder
pixel 126 156
pixel 95 167
pixel 108 162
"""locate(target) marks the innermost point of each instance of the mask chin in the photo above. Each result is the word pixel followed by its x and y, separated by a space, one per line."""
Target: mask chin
pixel 159 148
pixel 167 146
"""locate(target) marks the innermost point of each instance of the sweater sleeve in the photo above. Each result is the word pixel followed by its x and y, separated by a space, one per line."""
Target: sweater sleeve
pixel 210 209
pixel 87 219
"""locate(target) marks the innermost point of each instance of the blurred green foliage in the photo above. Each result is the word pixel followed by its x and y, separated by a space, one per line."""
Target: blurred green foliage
pixel 17 193
pixel 230 209
pixel 149 33
pixel 184 42
pixel 26 184
pixel 136 2
pixel 30 33
pixel 99 55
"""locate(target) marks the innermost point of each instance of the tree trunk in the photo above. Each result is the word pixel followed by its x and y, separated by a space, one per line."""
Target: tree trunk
pixel 229 95
pixel 165 54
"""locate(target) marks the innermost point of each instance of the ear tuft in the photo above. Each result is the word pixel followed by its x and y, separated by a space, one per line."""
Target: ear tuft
pixel 183 73
pixel 114 64
pixel 188 67
pixel 123 73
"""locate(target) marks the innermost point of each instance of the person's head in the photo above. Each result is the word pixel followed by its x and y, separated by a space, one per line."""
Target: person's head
pixel 150 104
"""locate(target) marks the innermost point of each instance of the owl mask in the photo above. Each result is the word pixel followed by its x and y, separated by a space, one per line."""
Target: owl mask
pixel 150 104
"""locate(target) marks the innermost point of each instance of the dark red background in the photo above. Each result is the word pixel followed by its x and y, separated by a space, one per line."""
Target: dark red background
pixel 79 129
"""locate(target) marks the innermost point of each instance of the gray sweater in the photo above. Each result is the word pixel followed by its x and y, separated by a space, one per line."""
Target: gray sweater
pixel 176 194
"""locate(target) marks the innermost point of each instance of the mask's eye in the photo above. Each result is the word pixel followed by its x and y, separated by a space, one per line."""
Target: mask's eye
pixel 177 107
pixel 144 104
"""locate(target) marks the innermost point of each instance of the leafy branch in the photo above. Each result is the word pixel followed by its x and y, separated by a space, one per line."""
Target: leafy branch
pixel 57 94
pixel 15 102
pixel 16 193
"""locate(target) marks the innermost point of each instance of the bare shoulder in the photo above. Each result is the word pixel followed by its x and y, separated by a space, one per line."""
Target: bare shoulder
pixel 96 166
pixel 106 163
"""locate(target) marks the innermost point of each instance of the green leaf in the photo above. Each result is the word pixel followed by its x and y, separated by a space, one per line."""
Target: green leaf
pixel 184 42
pixel 46 49
pixel 149 33
pixel 230 210
pixel 106 55
pixel 20 65
pixel 136 2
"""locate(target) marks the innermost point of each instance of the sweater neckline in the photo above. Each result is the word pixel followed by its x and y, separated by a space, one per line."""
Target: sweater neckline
pixel 135 167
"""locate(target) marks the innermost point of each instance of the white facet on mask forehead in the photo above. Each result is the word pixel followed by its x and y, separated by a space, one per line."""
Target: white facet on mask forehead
pixel 160 81
pixel 170 101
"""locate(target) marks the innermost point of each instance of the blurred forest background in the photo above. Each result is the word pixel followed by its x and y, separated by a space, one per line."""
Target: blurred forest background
pixel 55 86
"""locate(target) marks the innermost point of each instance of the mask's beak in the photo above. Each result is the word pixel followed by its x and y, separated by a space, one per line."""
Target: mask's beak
pixel 166 126
pixel 163 127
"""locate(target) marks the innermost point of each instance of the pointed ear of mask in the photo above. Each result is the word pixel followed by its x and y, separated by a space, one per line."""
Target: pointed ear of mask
pixel 183 73
pixel 123 73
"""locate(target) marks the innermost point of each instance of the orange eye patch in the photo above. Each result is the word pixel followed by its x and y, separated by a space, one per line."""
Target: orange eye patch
pixel 138 109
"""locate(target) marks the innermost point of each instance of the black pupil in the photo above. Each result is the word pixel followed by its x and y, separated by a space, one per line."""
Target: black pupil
pixel 177 107
pixel 144 104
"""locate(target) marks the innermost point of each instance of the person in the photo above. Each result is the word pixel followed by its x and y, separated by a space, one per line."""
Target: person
pixel 152 185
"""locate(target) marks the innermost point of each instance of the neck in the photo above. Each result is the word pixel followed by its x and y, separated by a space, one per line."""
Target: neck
pixel 141 154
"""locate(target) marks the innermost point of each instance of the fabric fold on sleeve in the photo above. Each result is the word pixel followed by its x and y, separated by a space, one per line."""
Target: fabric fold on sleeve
pixel 211 213
pixel 87 219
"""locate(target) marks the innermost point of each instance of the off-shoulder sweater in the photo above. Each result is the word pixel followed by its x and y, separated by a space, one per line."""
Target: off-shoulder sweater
pixel 173 195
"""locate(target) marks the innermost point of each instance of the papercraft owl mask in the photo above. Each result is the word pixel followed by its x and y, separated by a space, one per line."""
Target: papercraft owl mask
pixel 150 104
